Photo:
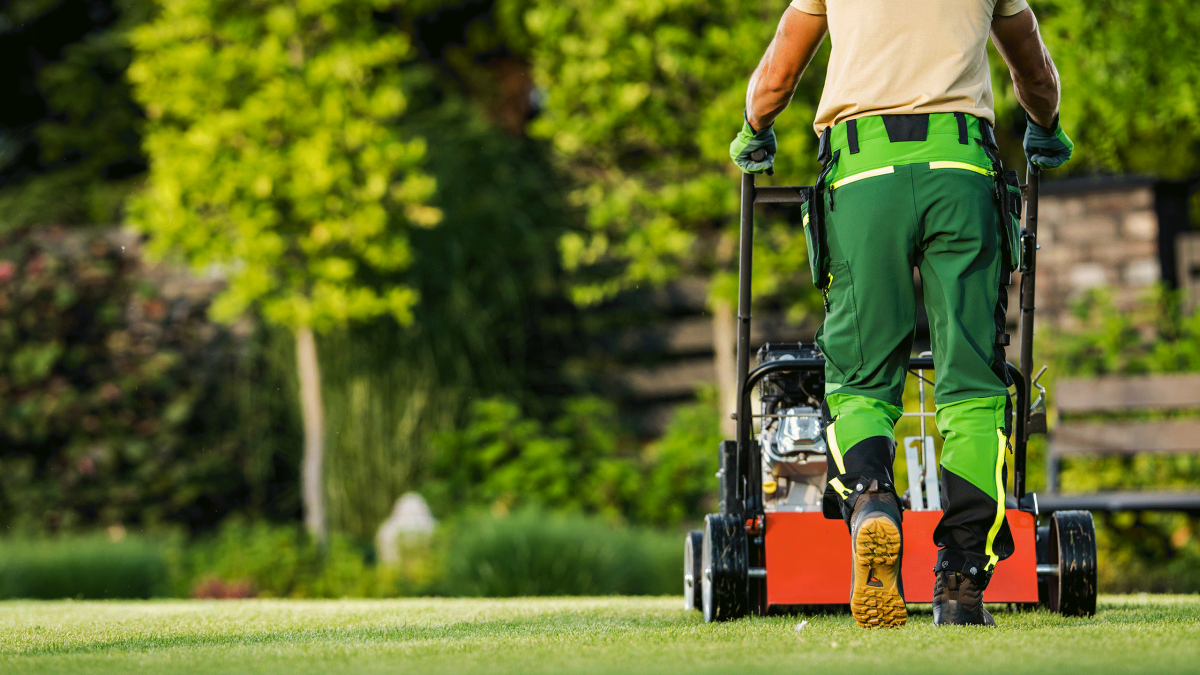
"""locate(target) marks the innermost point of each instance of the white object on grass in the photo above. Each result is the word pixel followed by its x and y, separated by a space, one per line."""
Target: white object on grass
pixel 410 518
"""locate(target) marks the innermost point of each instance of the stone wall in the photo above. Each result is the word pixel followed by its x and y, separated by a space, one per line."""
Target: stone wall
pixel 1092 236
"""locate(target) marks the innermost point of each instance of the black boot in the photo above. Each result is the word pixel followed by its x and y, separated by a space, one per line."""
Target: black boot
pixel 957 601
pixel 877 594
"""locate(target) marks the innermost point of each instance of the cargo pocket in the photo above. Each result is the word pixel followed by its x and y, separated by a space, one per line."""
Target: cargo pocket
pixel 814 237
pixel 1010 215
pixel 842 340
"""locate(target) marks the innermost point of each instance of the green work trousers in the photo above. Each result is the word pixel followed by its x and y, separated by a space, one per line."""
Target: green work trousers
pixel 907 192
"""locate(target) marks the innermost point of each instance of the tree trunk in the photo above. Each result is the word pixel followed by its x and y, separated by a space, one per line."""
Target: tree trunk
pixel 725 341
pixel 314 434
pixel 724 346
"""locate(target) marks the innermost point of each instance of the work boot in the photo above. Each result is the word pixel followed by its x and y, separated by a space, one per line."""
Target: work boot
pixel 877 595
pixel 957 601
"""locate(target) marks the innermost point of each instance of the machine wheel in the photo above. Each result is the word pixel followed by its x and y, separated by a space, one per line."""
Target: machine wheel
pixel 1072 548
pixel 725 576
pixel 693 545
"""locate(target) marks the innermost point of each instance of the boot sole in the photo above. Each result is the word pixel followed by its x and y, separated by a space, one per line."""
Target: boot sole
pixel 877 547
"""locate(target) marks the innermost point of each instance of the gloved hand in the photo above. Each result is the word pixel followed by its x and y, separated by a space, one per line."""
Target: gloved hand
pixel 747 142
pixel 1046 148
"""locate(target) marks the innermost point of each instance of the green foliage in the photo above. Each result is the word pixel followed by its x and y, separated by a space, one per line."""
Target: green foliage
pixel 1149 552
pixel 680 486
pixel 280 561
pixel 580 462
pixel 1156 337
pixel 781 273
pixel 121 405
pixel 485 324
pixel 481 45
pixel 89 143
pixel 85 568
pixel 532 552
pixel 1138 552
pixel 502 458
pixel 1131 89
pixel 641 102
pixel 275 154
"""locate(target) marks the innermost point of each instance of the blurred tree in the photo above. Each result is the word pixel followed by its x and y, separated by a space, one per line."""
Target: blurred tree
pixel 1131 85
pixel 482 46
pixel 491 320
pixel 123 406
pixel 69 144
pixel 276 161
pixel 641 101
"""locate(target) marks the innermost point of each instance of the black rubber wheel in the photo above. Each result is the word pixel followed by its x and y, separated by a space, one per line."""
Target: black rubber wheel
pixel 1073 550
pixel 1043 558
pixel 693 545
pixel 724 556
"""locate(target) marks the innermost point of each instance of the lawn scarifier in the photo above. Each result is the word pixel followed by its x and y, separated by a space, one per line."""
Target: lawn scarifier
pixel 770 549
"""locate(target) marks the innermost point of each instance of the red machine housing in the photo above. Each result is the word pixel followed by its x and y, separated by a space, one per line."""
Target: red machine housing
pixel 808 559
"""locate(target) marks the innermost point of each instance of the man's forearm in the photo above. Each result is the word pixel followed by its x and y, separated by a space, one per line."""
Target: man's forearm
pixel 1034 76
pixel 774 81
pixel 1039 93
pixel 767 95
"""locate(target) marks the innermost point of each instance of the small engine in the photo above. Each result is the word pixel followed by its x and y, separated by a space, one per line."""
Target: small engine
pixel 793 450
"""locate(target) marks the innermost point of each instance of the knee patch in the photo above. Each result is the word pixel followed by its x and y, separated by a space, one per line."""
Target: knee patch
pixel 858 433
pixel 973 531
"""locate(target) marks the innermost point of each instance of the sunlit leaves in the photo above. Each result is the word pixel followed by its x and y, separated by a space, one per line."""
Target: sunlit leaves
pixel 1131 86
pixel 276 156
pixel 641 101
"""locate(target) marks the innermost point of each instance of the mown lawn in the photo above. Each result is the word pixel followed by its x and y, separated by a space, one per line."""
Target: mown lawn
pixel 1130 634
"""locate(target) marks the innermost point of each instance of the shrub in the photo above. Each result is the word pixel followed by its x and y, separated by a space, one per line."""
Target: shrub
pixel 247 559
pixel 579 462
pixel 502 457
pixel 88 568
pixel 1155 552
pixel 120 404
pixel 532 552
pixel 679 483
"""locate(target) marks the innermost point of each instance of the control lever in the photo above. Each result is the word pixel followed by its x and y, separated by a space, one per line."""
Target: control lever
pixel 1037 411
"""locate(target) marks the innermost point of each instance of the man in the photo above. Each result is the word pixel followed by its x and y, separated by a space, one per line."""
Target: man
pixel 910 179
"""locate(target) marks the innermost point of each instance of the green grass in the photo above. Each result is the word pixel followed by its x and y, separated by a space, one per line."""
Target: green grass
pixel 1130 634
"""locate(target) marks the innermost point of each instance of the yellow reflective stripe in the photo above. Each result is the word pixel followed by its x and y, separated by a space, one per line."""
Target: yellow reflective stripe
pixel 959 165
pixel 841 489
pixel 865 174
pixel 805 222
pixel 833 444
pixel 991 537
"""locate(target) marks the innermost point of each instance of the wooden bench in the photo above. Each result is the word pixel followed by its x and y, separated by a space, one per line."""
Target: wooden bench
pixel 1121 396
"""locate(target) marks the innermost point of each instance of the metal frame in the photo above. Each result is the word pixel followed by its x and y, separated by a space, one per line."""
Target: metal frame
pixel 740 565
pixel 748 493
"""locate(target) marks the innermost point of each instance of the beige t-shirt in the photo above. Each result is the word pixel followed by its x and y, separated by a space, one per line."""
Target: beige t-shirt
pixel 907 56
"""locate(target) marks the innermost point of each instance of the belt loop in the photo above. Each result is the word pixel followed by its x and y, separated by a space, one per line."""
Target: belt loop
pixel 823 154
pixel 962 127
pixel 852 136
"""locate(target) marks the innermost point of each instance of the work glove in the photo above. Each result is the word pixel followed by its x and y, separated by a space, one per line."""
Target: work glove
pixel 748 143
pixel 1046 148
